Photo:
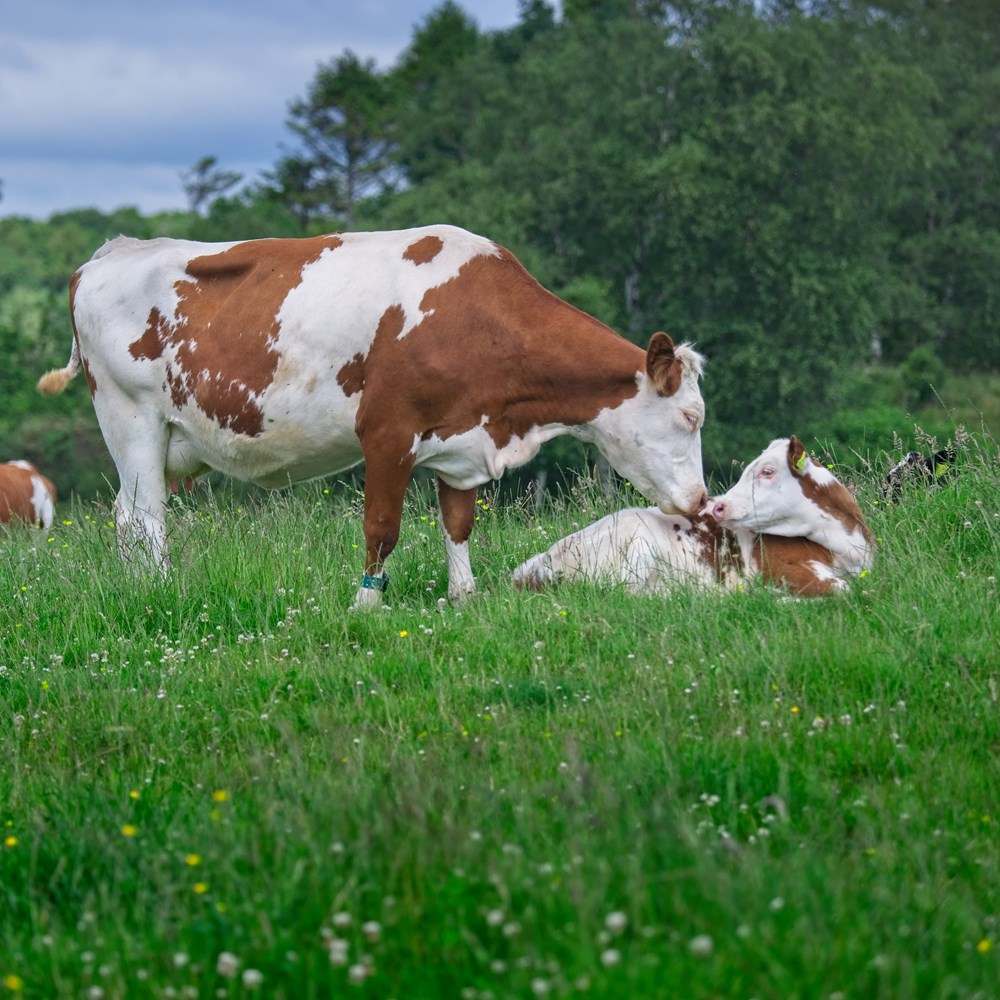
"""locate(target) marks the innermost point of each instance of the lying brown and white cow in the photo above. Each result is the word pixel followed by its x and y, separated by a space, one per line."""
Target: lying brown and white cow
pixel 276 361
pixel 26 495
pixel 788 521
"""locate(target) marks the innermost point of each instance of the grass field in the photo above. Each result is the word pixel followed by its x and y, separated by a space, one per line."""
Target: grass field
pixel 226 785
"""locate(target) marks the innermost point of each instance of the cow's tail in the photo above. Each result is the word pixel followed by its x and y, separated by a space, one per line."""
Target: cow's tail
pixel 53 382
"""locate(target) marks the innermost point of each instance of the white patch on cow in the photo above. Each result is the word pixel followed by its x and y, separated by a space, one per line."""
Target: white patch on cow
pixel 461 582
pixel 472 458
pixel 41 501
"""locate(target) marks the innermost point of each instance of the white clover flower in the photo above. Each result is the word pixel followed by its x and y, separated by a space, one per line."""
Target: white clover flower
pixel 610 957
pixel 252 978
pixel 616 922
pixel 227 964
pixel 372 930
pixel 357 974
pixel 701 946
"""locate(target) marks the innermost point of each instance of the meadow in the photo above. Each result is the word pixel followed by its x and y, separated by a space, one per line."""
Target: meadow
pixel 227 785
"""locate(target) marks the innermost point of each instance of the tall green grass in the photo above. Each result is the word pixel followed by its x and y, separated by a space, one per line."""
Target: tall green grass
pixel 227 785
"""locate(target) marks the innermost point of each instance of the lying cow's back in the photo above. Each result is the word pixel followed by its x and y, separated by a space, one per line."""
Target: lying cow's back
pixel 26 495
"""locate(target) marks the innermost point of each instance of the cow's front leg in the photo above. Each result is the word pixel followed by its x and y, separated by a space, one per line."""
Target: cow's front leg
pixel 458 514
pixel 385 486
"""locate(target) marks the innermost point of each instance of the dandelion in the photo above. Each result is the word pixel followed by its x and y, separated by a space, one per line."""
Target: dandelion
pixel 10 841
pixel 192 860
pixel 133 794
pixel 220 795
pixel 14 983
pixel 227 964
pixel 984 946
pixel 200 888
pixel 129 830
pixel 403 634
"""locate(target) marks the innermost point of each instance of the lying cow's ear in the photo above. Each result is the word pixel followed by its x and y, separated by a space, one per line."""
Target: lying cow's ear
pixel 662 365
pixel 798 457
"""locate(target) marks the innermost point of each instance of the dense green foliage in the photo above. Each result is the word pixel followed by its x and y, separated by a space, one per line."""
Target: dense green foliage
pixel 227 785
pixel 808 191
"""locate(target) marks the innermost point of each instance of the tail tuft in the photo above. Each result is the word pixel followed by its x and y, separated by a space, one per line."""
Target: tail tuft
pixel 53 382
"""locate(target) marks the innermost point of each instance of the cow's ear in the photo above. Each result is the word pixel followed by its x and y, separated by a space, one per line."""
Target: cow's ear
pixel 663 367
pixel 798 457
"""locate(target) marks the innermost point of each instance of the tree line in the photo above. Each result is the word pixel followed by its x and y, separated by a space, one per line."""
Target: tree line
pixel 809 191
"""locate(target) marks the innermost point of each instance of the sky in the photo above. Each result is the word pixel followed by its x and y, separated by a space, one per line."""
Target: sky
pixel 104 104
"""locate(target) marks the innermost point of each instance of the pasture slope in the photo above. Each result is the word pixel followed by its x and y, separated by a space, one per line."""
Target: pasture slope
pixel 226 785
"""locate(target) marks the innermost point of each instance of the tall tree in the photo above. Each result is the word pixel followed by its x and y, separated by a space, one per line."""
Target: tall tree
pixel 344 124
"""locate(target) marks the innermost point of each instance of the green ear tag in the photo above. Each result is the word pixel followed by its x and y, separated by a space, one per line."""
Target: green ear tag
pixel 800 465
pixel 940 469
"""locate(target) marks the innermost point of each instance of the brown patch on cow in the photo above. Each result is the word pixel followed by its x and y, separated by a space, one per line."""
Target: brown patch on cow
pixel 150 345
pixel 225 328
pixel 424 250
pixel 786 562
pixel 351 376
pixel 492 342
pixel 717 547
pixel 89 376
pixel 836 498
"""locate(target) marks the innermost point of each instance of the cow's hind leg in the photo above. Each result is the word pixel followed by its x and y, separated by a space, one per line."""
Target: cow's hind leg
pixel 141 503
pixel 458 514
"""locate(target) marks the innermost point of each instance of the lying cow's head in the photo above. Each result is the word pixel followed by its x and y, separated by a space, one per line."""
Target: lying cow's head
pixel 654 438
pixel 782 492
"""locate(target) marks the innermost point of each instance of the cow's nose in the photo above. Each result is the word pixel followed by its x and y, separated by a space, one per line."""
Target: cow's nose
pixel 718 510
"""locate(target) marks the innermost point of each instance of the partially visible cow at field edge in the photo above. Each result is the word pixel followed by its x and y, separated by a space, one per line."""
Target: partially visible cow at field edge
pixel 26 495
pixel 788 521
pixel 927 470
pixel 276 361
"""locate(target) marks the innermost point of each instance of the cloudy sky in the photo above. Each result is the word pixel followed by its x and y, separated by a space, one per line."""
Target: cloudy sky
pixel 102 104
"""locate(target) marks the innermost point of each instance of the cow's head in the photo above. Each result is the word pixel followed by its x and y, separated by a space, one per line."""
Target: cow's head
pixel 780 492
pixel 654 438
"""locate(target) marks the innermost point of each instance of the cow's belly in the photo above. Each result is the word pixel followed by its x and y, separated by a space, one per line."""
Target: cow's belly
pixel 299 442
pixel 472 458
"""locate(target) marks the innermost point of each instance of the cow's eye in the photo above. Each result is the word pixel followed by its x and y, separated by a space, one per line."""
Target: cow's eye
pixel 691 419
pixel 767 472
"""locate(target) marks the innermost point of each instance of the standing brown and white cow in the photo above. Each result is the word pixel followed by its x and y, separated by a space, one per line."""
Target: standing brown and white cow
pixel 26 495
pixel 277 361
